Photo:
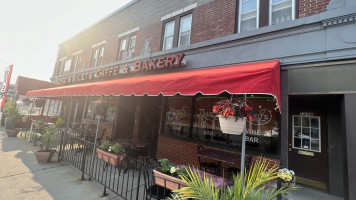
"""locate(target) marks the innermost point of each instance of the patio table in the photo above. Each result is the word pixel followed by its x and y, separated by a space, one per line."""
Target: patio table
pixel 220 156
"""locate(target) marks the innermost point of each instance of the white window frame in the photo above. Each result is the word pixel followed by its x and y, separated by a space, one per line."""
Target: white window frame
pixel 180 28
pixel 67 65
pixel 130 48
pixel 97 56
pixel 76 61
pixel 165 36
pixel 61 67
pixel 257 14
pixel 270 10
pixel 310 139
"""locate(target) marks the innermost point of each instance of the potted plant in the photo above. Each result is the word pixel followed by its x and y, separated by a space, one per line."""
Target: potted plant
pixel 26 118
pixel 59 123
pixel 255 184
pixel 45 156
pixel 231 113
pixel 39 124
pixel 30 135
pixel 286 177
pixel 111 154
pixel 169 176
pixel 12 117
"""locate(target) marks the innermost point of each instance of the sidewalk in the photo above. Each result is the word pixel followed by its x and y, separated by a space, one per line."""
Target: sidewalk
pixel 21 177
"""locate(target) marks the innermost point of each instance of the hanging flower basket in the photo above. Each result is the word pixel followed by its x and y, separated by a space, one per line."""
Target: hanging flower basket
pixel 230 125
pixel 26 101
pixel 231 113
pixel 101 107
pixel 39 102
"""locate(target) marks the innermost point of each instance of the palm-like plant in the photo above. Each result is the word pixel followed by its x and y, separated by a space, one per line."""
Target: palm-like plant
pixel 253 187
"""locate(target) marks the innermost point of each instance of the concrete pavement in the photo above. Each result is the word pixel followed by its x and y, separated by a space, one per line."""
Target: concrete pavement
pixel 21 177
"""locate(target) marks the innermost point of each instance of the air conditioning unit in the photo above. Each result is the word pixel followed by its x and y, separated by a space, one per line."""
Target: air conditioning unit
pixel 129 54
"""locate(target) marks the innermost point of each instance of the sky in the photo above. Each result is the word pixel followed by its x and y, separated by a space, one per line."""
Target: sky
pixel 31 31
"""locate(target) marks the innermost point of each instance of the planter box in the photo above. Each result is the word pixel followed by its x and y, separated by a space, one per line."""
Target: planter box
pixel 110 158
pixel 287 184
pixel 168 181
pixel 43 156
pixel 11 133
pixel 229 125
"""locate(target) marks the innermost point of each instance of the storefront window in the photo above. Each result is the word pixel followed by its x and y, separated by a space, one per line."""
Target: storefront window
pixel 27 109
pixel 178 116
pixel 262 134
pixel 54 107
pixel 110 112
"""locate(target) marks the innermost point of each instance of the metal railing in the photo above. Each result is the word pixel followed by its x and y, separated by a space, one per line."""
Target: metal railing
pixel 131 179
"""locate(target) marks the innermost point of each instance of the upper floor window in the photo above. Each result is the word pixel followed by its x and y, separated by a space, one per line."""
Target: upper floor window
pixel 281 11
pixel 168 35
pixel 60 67
pixel 98 53
pixel 132 45
pixel 184 31
pixel 76 62
pixel 177 35
pixel 127 47
pixel 249 14
pixel 67 65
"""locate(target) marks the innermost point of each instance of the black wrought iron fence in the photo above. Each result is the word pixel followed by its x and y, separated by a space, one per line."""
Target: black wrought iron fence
pixel 131 179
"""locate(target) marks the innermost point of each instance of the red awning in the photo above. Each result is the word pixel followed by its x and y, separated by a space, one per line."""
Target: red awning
pixel 251 78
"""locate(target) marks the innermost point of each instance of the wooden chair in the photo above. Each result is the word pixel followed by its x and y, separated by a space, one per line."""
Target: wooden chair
pixel 203 164
pixel 235 170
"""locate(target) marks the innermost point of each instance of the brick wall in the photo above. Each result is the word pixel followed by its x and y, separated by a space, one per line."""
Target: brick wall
pixel 152 33
pixel 145 14
pixel 312 7
pixel 182 152
pixel 213 20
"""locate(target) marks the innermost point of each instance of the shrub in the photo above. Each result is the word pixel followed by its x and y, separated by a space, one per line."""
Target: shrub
pixel 59 123
pixel 105 146
pixel 116 149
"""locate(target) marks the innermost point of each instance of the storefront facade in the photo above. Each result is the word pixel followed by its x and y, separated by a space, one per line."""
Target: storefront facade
pixel 310 131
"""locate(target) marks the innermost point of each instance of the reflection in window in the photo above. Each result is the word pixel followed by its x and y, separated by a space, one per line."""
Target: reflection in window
pixel 262 134
pixel 168 35
pixel 178 116
pixel 184 32
pixel 248 15
pixel 281 11
pixel 110 112
pixel 306 135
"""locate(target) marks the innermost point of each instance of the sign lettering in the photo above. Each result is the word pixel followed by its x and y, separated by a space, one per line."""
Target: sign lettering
pixel 153 64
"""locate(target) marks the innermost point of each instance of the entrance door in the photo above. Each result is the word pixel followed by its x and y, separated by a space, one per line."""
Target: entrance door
pixel 308 142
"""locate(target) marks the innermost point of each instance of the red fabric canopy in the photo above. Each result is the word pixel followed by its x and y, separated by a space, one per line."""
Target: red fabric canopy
pixel 251 78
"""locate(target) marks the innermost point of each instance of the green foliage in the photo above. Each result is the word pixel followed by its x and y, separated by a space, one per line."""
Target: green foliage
pixel 59 123
pixel 12 115
pixel 116 149
pixel 165 165
pixel 9 123
pixel 105 146
pixel 253 187
pixel 48 136
pixel 39 121
pixel 30 134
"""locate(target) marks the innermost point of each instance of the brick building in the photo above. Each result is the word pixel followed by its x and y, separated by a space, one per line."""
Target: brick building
pixel 312 40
